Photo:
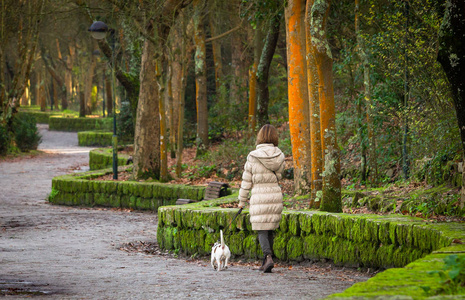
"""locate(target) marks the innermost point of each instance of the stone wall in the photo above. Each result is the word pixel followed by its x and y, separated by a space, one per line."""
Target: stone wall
pixel 102 158
pixel 95 138
pixel 80 124
pixel 82 190
pixel 349 240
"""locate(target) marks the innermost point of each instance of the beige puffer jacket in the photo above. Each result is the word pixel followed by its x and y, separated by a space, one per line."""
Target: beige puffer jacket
pixel 266 202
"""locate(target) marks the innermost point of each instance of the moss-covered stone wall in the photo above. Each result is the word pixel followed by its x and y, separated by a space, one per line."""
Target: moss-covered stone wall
pixel 349 240
pixel 102 158
pixel 80 124
pixel 80 190
pixel 95 138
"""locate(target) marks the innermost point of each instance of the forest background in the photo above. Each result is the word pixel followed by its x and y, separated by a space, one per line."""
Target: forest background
pixel 364 93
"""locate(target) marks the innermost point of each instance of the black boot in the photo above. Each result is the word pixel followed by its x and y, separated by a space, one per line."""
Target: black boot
pixel 269 264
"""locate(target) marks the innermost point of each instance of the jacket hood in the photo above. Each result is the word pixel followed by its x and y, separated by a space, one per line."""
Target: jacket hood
pixel 269 155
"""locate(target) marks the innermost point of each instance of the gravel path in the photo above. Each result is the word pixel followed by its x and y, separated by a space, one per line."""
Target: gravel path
pixel 60 252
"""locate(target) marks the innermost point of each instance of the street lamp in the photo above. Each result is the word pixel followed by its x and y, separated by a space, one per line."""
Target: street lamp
pixel 99 31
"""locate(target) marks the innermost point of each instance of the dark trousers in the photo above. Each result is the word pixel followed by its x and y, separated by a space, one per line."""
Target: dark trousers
pixel 265 237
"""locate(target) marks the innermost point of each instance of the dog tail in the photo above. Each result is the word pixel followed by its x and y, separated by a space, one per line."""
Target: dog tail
pixel 222 239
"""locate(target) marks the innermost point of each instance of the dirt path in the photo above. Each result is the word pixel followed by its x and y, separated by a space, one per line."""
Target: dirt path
pixel 72 253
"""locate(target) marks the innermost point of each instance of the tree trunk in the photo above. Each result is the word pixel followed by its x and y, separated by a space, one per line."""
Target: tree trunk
pixel 451 55
pixel 184 59
pixel 331 200
pixel 237 39
pixel 147 131
pixel 109 95
pixel 200 78
pixel 268 50
pixel 162 80
pixel 360 118
pixel 216 45
pixel 258 47
pixel 88 84
pixel 176 85
pixel 298 95
pixel 316 156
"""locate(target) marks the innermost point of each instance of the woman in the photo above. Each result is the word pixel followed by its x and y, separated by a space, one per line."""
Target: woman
pixel 261 176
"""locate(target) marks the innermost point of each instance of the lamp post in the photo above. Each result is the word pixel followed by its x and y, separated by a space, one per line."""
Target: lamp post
pixel 99 31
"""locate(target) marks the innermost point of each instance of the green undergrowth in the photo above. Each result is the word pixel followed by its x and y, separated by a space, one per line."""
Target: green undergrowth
pixel 424 201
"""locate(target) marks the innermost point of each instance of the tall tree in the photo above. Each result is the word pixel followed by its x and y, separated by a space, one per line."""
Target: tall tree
pixel 331 200
pixel 213 18
pixel 263 69
pixel 451 55
pixel 147 131
pixel 360 115
pixel 19 34
pixel 298 94
pixel 316 155
pixel 200 76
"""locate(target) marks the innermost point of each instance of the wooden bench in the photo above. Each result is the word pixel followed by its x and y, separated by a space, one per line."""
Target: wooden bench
pixel 214 190
pixel 184 201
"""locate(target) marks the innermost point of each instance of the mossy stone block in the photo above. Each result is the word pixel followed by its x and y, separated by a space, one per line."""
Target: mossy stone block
pixel 295 248
pixel 370 232
pixel 404 234
pixel 344 227
pixel 251 246
pixel 280 245
pixel 235 243
pixel 210 240
pixel 318 223
pixel 309 247
pixel 169 216
pixel 385 256
pixel 179 217
pixel 283 224
pixel 133 202
pixel 199 236
pixel 187 219
pixel 293 224
pixel 144 203
pixel 176 238
pixel 160 237
pixel 125 200
pixel 367 252
pixel 305 221
pixel 383 233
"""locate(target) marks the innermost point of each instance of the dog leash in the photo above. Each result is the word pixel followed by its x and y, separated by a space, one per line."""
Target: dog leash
pixel 237 214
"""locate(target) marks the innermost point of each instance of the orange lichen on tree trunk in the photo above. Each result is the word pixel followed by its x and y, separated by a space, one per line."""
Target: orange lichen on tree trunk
pixel 298 94
pixel 314 105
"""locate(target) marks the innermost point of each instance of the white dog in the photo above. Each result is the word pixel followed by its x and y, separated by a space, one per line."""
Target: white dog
pixel 220 254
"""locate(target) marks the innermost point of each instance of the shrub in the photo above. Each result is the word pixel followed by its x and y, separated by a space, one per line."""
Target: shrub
pixel 4 139
pixel 27 135
pixel 125 123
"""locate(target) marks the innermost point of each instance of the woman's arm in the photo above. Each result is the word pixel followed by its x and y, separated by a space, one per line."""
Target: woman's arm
pixel 246 184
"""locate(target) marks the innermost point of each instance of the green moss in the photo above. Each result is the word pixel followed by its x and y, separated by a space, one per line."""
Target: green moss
pixel 305 221
pixel 235 242
pixel 280 245
pixel 294 249
pixel 251 247
pixel 293 224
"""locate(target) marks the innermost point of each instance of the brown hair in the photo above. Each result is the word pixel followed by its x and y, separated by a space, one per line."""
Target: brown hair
pixel 267 135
